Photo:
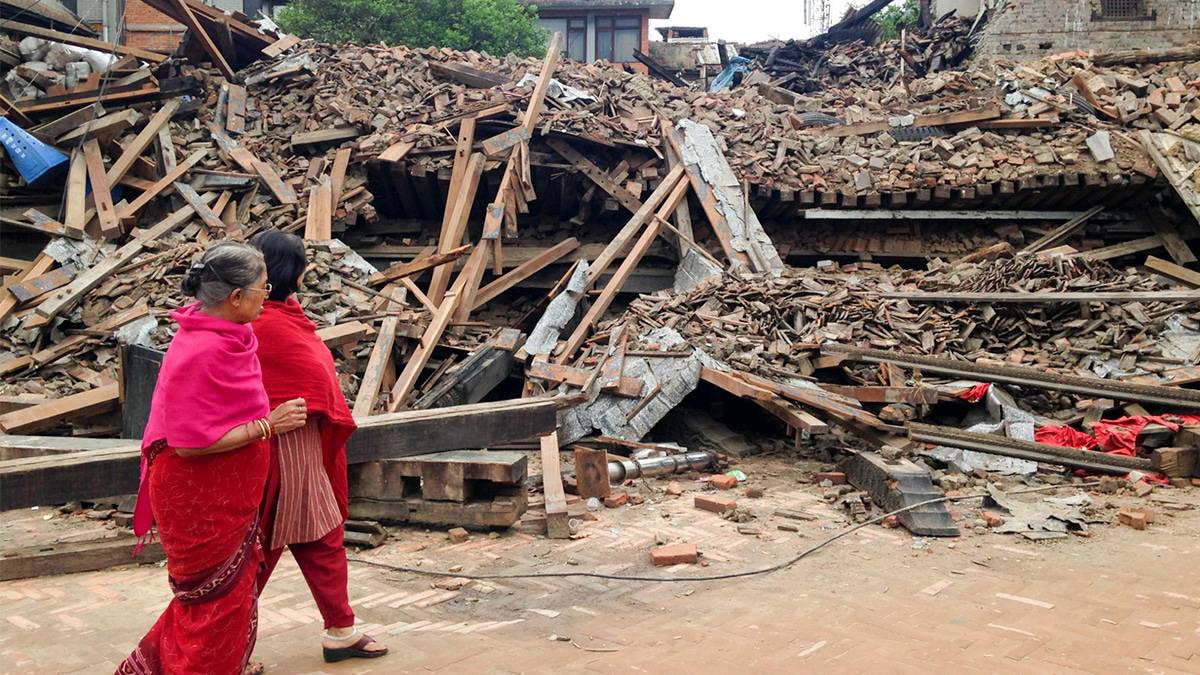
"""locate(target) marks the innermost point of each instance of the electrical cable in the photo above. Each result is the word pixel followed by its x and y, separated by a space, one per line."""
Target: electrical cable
pixel 708 577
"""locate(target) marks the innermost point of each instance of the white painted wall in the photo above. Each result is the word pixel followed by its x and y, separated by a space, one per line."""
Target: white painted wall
pixel 964 8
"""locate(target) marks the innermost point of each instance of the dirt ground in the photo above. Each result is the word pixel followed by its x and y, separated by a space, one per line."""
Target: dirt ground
pixel 880 600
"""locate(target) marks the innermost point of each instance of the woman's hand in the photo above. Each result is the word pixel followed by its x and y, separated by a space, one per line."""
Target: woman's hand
pixel 289 416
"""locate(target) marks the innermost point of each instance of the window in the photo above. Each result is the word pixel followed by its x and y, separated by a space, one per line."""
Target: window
pixel 617 37
pixel 577 39
pixel 1122 10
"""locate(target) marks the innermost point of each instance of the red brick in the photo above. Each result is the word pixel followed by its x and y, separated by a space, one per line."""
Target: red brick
pixel 674 489
pixel 715 503
pixel 674 554
pixel 458 535
pixel 754 492
pixel 835 477
pixel 723 482
pixel 1135 519
pixel 992 519
pixel 616 499
pixel 891 522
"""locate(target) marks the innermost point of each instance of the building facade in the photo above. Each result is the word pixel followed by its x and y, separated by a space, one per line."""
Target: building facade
pixel 603 29
pixel 1030 29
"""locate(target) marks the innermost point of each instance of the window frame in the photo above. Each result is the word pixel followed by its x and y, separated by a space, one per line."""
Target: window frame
pixel 610 29
pixel 575 32
pixel 1099 13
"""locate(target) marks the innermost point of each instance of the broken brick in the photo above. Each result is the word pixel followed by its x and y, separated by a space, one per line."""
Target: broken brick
pixel 992 519
pixel 723 482
pixel 754 492
pixel 616 499
pixel 674 554
pixel 715 503
pixel 834 477
pixel 1133 518
pixel 458 535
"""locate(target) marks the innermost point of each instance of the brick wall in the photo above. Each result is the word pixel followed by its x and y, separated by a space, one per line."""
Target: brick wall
pixel 1029 29
pixel 148 28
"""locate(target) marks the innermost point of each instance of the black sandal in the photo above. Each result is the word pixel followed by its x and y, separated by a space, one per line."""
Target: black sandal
pixel 354 651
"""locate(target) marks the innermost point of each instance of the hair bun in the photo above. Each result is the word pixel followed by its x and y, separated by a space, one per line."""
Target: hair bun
pixel 191 280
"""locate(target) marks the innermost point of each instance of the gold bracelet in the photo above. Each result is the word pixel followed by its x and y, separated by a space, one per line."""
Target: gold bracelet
pixel 262 432
pixel 270 427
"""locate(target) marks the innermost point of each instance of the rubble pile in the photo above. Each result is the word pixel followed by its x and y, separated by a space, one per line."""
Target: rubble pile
pixel 775 327
pixel 430 160
pixel 815 66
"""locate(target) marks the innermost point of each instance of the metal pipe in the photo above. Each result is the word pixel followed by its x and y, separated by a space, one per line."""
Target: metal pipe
pixel 1025 376
pixel 625 469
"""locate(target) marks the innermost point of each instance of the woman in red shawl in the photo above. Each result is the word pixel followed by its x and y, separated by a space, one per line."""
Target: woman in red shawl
pixel 305 504
pixel 204 464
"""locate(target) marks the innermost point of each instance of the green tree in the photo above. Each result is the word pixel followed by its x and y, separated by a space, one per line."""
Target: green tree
pixel 495 26
pixel 895 17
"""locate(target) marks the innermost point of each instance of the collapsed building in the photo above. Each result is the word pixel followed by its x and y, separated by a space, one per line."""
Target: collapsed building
pixel 883 254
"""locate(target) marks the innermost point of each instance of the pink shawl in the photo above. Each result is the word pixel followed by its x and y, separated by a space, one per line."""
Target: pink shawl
pixel 209 383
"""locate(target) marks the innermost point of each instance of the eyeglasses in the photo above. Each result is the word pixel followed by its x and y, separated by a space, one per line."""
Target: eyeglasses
pixel 266 290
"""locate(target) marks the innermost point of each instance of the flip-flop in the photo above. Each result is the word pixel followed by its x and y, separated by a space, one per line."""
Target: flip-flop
pixel 354 651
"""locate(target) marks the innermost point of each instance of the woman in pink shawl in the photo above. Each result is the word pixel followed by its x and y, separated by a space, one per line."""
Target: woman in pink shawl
pixel 204 465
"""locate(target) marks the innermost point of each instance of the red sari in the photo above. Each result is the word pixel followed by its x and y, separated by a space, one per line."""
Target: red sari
pixel 206 507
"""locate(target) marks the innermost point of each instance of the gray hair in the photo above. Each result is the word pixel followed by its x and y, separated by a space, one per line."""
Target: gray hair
pixel 225 267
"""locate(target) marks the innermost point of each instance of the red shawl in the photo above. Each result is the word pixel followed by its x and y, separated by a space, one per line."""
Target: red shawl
pixel 297 364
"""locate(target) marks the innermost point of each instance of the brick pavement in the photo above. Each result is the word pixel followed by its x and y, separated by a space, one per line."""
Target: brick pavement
pixel 879 600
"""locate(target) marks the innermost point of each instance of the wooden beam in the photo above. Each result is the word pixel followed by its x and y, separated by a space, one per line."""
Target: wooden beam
pixel 1124 248
pixel 51 414
pixel 18 28
pixel 40 265
pixel 470 277
pixel 538 98
pixel 403 270
pixel 29 289
pixel 1062 232
pixel 110 225
pixel 319 226
pixel 602 303
pixel 78 556
pixel 342 334
pixel 199 204
pixel 557 521
pixel 465 74
pixel 55 479
pixel 1173 272
pixel 142 141
pixel 128 212
pixel 406 382
pixel 595 173
pixel 456 223
pixel 524 271
pixel 1051 296
pixel 505 140
pixel 112 96
pixel 76 194
pixel 95 275
pixel 988 112
pixel 189 19
pixel 1176 247
pixel 337 175
pixel 45 224
pixel 619 242
pixel 50 131
pixel 378 363
pixel 332 135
